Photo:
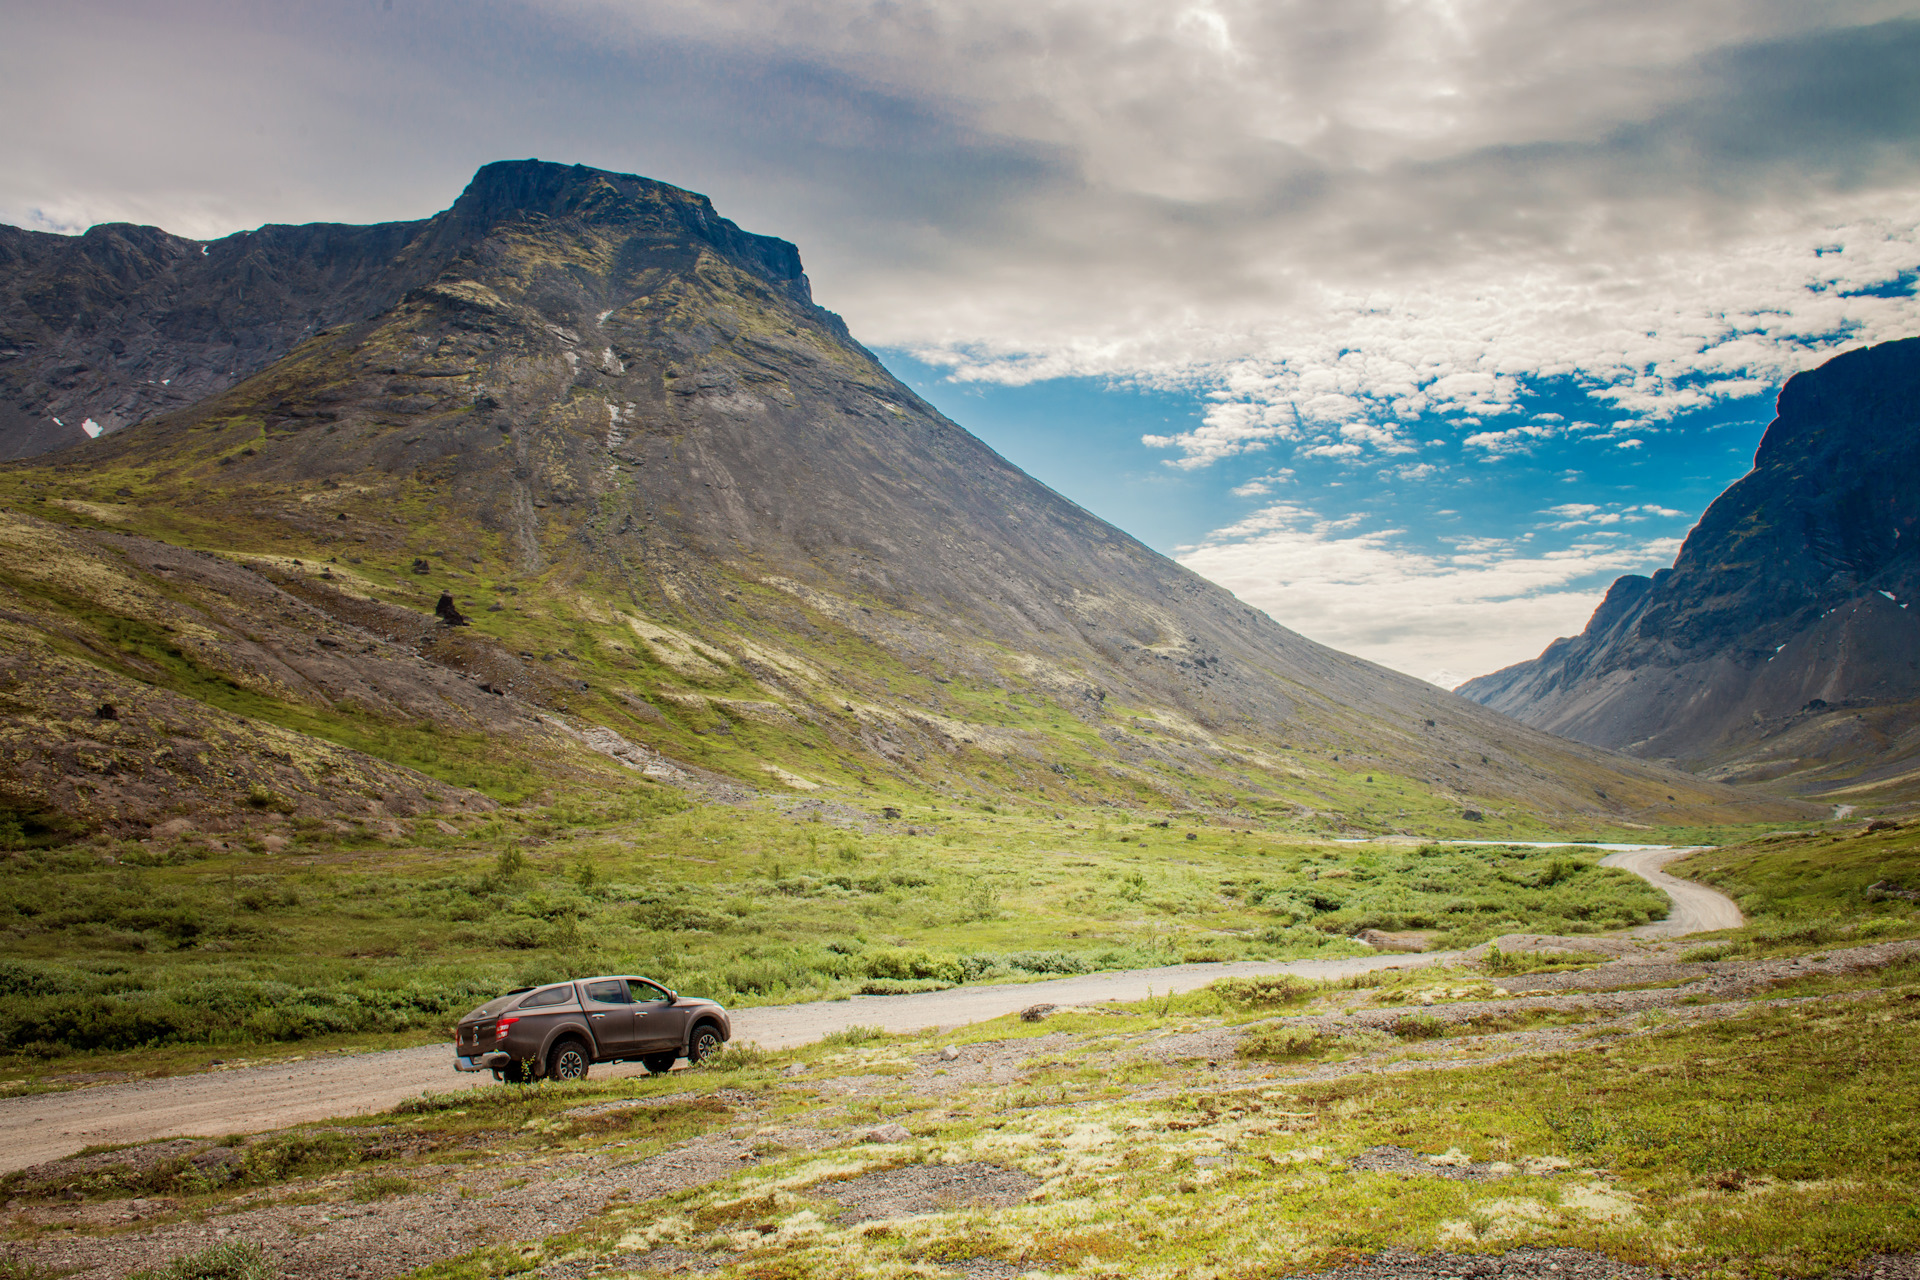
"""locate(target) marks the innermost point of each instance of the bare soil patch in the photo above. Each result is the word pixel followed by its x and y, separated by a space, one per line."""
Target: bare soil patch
pixel 921 1188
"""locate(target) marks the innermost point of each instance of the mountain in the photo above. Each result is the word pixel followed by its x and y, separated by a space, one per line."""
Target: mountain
pixel 574 482
pixel 1781 647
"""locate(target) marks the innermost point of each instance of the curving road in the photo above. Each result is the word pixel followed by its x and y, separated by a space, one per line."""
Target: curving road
pixel 1696 908
pixel 248 1099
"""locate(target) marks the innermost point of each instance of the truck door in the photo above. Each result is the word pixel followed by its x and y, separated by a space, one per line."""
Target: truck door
pixel 610 1012
pixel 659 1025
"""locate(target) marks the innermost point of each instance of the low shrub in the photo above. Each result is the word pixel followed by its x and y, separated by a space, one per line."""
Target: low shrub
pixel 1419 1026
pixel 1048 962
pixel 903 963
pixel 737 1057
pixel 897 987
pixel 229 1260
pixel 1517 963
pixel 380 1186
pixel 1286 1044
pixel 1272 991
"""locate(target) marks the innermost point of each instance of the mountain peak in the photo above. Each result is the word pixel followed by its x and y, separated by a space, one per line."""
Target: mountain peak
pixel 1780 645
pixel 509 191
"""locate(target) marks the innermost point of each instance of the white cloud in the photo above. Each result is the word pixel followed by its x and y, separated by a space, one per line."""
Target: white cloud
pixel 1513 440
pixel 1444 618
pixel 1327 216
pixel 1579 515
pixel 1266 484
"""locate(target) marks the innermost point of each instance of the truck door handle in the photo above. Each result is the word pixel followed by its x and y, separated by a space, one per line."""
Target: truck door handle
pixel 596 1015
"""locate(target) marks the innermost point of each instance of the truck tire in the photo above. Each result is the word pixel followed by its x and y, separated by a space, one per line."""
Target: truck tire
pixel 568 1060
pixel 703 1043
pixel 659 1064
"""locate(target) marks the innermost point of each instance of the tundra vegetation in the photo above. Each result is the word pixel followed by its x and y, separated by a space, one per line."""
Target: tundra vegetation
pixel 126 948
pixel 1735 1121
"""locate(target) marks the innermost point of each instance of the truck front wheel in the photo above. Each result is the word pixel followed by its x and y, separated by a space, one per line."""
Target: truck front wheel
pixel 705 1043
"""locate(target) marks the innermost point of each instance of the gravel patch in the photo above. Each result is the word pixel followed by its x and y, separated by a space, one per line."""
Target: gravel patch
pixel 989 1269
pixel 725 1097
pixel 1450 1165
pixel 661 1261
pixel 1520 1264
pixel 400 1233
pixel 1721 977
pixel 1887 1266
pixel 929 1188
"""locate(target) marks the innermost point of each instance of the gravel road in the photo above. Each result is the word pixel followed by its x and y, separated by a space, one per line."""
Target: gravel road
pixel 248 1099
pixel 1696 908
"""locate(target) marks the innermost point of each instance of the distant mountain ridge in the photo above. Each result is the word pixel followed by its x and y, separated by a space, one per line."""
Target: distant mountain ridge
pixel 1782 644
pixel 125 322
pixel 679 505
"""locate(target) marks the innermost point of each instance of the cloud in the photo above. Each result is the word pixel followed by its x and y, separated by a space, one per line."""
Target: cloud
pixel 1324 217
pixel 1580 515
pixel 1442 617
pixel 1260 485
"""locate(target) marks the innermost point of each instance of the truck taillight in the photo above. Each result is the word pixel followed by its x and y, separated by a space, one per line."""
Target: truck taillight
pixel 500 1027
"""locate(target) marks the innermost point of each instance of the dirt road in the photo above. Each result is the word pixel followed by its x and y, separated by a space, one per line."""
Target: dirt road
pixel 1696 908
pixel 250 1099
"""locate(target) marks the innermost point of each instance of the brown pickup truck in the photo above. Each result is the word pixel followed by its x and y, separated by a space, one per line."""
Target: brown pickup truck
pixel 556 1032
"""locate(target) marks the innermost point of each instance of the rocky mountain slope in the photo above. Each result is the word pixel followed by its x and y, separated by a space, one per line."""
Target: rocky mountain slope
pixel 1781 647
pixel 577 483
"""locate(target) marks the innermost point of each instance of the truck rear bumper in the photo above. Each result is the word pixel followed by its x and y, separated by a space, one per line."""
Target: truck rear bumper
pixel 482 1062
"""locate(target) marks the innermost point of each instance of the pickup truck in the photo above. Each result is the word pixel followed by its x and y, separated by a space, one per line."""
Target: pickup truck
pixel 557 1031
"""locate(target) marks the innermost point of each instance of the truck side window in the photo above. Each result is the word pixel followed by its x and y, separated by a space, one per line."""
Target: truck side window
pixel 645 992
pixel 613 992
pixel 551 995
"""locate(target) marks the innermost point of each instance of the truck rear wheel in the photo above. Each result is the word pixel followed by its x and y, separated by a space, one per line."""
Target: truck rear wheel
pixel 568 1061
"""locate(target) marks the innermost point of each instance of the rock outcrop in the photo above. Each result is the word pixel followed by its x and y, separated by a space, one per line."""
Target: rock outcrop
pixel 1782 644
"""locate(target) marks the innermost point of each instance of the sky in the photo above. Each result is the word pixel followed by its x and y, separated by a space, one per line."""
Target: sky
pixel 1412 322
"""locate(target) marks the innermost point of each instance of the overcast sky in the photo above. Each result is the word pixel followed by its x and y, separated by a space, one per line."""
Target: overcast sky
pixel 1413 322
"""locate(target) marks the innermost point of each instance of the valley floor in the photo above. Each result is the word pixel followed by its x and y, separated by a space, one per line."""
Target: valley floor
pixel 1652 1113
pixel 236 1096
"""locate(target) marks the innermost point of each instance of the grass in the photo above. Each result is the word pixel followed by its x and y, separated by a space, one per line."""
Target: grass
pixel 978 729
pixel 1803 890
pixel 117 947
pixel 1520 963
pixel 230 1260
